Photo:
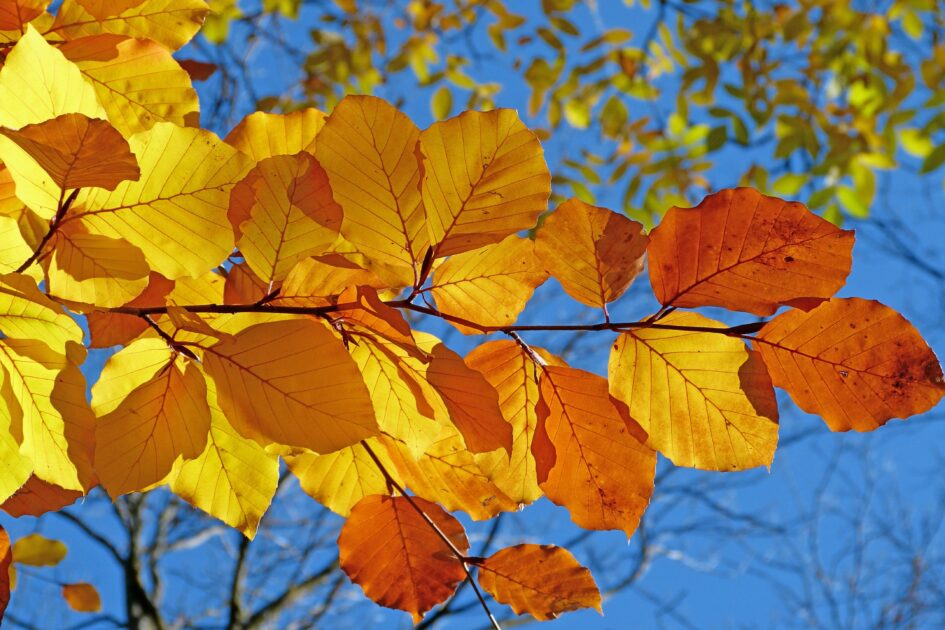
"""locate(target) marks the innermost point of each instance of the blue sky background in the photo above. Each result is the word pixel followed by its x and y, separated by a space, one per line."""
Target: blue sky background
pixel 703 576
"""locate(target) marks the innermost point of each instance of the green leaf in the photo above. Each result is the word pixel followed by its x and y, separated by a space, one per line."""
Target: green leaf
pixel 934 159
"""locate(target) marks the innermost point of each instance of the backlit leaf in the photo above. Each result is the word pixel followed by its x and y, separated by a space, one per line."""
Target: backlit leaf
pixel 748 252
pixel 294 383
pixel 262 135
pixel 389 550
pixel 176 213
pixel 541 580
pixel 169 22
pixel 15 469
pixel 484 178
pixel 14 250
pixel 38 551
pixel 78 151
pixel 590 455
pixel 137 81
pixel 36 497
pixel 25 313
pixel 854 362
pixel 490 285
pixel 233 479
pixel 705 399
pixel 593 252
pixel 111 329
pixel 14 15
pixel 82 597
pixel 367 149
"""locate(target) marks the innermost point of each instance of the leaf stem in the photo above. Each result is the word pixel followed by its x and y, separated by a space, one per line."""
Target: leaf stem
pixel 53 226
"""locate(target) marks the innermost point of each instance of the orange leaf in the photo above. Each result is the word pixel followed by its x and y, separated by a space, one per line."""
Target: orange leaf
pixel 242 286
pixel 593 252
pixel 484 178
pixel 6 558
pixel 78 151
pixel 541 580
pixel 15 14
pixel 590 455
pixel 367 149
pixel 515 377
pixel 113 329
pixel 198 70
pixel 854 362
pixel 390 551
pixel 82 597
pixel 314 280
pixel 261 135
pixel 36 497
pixel 377 317
pixel 704 398
pixel 472 402
pixel 745 251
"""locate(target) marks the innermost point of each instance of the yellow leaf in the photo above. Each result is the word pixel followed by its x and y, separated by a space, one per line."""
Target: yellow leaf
pixel 242 286
pixel 82 597
pixel 14 250
pixel 541 580
pixel 593 252
pixel 176 213
pixel 171 23
pixel 126 370
pixel 291 217
pixel 313 280
pixel 262 135
pixel 38 551
pixel 339 480
pixel 38 83
pixel 15 469
pixel 137 81
pixel 293 383
pixel 447 473
pixel 234 479
pixel 515 377
pixel 25 313
pixel 705 399
pixel 490 285
pixel 367 149
pixel 484 178
pixel 95 269
pixel 78 151
pixel 590 455
pixel 112 329
pixel 166 417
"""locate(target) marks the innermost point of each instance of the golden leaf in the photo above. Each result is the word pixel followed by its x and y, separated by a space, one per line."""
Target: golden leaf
pixel 263 135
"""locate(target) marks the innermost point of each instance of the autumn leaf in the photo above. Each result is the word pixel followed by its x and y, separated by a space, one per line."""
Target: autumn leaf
pixel 387 548
pixel 854 362
pixel 36 497
pixel 745 251
pixel 263 135
pixel 541 580
pixel 704 398
pixel 367 149
pixel 38 551
pixel 82 597
pixel 14 15
pixel 111 329
pixel 6 559
pixel 313 280
pixel 514 374
pixel 172 23
pixel 593 252
pixel 137 81
pixel 484 178
pixel 590 455
pixel 78 151
pixel 25 313
pixel 489 286
pixel 294 383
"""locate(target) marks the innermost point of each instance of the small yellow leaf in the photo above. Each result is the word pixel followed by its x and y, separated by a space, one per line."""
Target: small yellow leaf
pixel 25 313
pixel 82 597
pixel 38 551
pixel 262 135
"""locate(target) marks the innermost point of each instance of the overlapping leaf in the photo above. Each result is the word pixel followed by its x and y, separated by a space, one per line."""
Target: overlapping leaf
pixel 263 135
pixel 484 178
pixel 541 580
pixel 172 23
pixel 748 252
pixel 593 252
pixel 705 399
pixel 590 455
pixel 36 497
pixel 854 362
pixel 388 549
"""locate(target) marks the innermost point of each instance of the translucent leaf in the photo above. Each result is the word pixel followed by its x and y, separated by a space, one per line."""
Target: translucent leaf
pixel 171 23
pixel 854 362
pixel 590 455
pixel 484 178
pixel 704 398
pixel 262 135
pixel 38 551
pixel 413 570
pixel 15 14
pixel 82 597
pixel 593 252
pixel 37 497
pixel 541 580
pixel 111 329
pixel 744 251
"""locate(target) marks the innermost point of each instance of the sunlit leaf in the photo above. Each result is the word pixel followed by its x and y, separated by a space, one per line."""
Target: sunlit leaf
pixel 854 362
pixel 262 135
pixel 388 549
pixel 38 551
pixel 169 22
pixel 36 497
pixel 82 597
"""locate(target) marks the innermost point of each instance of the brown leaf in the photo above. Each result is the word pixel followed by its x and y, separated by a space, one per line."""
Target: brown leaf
pixel 82 597
pixel 854 362
pixel 541 580
pixel 389 550
pixel 198 70
pixel 745 251
pixel 36 497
